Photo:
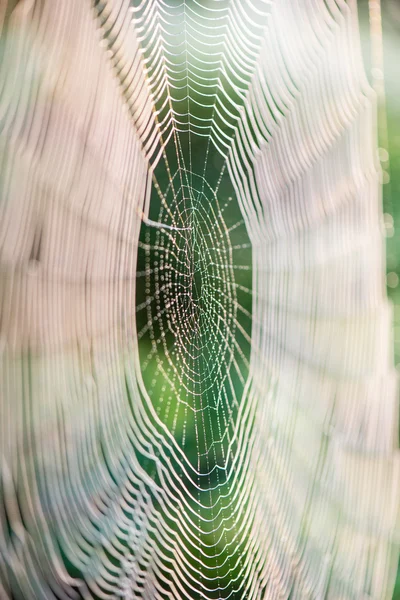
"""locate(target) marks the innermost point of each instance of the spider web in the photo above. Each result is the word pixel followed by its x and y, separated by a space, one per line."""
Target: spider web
pixel 199 393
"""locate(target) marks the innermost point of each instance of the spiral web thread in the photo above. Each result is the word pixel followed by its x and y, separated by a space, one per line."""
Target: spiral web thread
pixel 198 393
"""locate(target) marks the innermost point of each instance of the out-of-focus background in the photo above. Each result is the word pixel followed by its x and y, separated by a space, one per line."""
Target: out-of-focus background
pixel 389 137
pixel 389 142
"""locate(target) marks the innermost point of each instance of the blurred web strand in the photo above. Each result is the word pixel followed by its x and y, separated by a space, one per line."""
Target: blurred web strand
pixel 295 490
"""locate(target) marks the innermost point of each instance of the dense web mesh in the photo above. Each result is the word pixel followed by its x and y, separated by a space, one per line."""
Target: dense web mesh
pixel 197 382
